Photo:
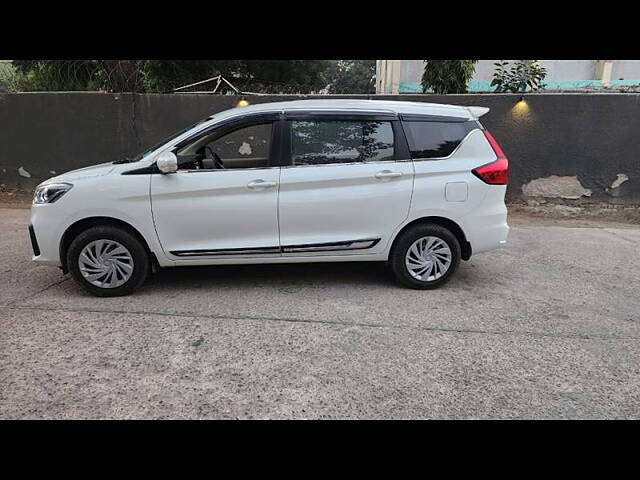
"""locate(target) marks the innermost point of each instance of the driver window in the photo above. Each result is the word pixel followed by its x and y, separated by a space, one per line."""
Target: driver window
pixel 246 147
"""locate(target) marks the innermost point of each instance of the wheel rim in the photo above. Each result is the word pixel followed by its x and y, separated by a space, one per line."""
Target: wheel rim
pixel 428 259
pixel 106 263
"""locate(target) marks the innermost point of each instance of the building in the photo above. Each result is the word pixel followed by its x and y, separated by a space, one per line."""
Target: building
pixel 404 76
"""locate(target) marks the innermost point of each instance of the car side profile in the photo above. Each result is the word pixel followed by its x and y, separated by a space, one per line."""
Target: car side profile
pixel 420 186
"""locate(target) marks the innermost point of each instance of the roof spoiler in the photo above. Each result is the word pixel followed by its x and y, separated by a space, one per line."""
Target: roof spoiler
pixel 477 112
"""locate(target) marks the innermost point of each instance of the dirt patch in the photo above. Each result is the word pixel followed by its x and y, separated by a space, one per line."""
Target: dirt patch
pixel 15 199
pixel 595 216
pixel 556 187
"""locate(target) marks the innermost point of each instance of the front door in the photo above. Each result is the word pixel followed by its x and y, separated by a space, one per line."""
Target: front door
pixel 223 200
pixel 348 185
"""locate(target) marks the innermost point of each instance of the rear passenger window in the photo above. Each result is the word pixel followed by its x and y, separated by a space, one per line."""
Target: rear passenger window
pixel 340 141
pixel 436 139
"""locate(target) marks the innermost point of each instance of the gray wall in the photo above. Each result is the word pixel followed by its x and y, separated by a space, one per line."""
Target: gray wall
pixel 593 137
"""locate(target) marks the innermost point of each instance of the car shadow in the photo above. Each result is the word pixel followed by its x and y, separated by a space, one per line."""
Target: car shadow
pixel 295 275
pixel 291 274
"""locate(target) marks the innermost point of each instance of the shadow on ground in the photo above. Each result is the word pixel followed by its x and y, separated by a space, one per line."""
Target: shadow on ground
pixel 283 275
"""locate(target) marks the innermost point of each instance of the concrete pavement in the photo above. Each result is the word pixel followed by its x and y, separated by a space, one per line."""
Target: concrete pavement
pixel 547 327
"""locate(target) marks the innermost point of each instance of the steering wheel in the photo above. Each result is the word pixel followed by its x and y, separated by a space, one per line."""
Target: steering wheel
pixel 217 161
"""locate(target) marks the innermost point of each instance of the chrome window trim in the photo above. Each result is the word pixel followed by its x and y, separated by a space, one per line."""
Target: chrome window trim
pixel 221 170
pixel 346 164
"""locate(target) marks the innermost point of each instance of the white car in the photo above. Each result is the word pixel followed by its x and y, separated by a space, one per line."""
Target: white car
pixel 417 185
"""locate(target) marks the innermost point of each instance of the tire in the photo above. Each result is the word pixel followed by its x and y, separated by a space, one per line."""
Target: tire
pixel 125 259
pixel 444 243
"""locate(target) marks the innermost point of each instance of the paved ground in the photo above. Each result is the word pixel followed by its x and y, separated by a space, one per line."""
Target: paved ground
pixel 547 327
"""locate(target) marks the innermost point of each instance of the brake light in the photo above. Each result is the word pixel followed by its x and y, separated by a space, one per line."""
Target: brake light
pixel 494 173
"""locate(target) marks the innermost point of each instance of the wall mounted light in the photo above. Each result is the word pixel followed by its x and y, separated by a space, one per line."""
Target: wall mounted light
pixel 243 102
pixel 521 108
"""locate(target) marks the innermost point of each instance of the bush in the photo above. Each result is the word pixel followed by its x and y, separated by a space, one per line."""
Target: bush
pixel 523 74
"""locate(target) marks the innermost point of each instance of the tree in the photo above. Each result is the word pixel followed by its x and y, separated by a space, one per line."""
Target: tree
pixel 164 75
pixel 352 76
pixel 447 76
pixel 283 76
pixel 264 76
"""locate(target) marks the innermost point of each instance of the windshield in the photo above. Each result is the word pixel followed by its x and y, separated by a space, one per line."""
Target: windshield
pixel 141 155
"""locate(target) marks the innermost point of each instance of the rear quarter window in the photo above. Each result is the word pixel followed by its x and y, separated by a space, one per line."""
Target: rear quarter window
pixel 436 139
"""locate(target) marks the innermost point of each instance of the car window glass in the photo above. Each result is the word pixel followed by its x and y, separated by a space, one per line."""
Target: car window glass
pixel 320 142
pixel 435 139
pixel 246 147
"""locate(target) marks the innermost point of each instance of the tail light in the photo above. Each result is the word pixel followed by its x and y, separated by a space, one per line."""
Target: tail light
pixel 497 172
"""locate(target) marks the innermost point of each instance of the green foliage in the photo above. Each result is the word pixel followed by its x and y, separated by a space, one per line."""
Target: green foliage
pixel 447 76
pixel 518 77
pixel 11 80
pixel 283 76
pixel 164 75
pixel 264 76
pixel 352 76
pixel 46 75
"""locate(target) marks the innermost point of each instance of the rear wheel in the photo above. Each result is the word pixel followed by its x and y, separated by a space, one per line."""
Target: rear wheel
pixel 425 256
pixel 108 261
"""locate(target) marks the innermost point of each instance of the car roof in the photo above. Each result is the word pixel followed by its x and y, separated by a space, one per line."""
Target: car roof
pixel 387 106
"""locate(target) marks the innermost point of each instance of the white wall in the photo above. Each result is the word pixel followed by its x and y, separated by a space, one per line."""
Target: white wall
pixel 560 73
pixel 625 69
pixel 557 70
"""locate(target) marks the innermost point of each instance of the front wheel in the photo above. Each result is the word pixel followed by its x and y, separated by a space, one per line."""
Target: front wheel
pixel 108 261
pixel 425 256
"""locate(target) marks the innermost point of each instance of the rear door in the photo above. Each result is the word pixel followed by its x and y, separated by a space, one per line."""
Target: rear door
pixel 346 184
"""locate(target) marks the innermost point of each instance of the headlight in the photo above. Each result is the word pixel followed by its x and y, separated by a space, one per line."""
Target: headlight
pixel 51 192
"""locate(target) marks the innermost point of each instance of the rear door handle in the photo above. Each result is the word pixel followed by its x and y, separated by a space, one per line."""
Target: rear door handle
pixel 388 174
pixel 257 184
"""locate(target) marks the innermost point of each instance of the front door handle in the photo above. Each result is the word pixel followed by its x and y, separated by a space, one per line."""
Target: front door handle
pixel 388 174
pixel 257 184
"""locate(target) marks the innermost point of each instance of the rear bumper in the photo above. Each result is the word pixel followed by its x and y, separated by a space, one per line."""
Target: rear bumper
pixel 486 226
pixel 487 232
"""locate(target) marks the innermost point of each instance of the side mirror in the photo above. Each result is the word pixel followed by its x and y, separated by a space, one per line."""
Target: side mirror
pixel 167 162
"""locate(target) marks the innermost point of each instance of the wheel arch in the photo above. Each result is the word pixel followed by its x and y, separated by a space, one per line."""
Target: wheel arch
pixel 81 225
pixel 453 227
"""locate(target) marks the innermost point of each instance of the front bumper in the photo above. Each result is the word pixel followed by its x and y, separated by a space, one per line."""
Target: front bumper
pixel 34 241
pixel 45 233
